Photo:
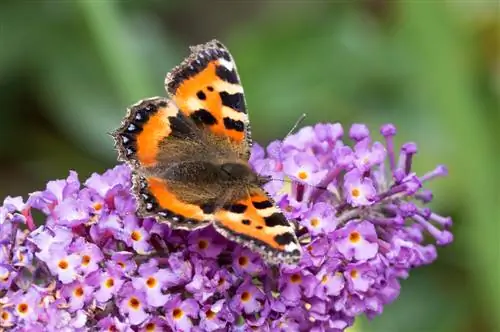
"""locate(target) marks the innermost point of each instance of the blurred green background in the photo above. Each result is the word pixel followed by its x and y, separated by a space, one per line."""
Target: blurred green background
pixel 68 70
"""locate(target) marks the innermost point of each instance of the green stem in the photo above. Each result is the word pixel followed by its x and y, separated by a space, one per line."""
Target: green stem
pixel 109 31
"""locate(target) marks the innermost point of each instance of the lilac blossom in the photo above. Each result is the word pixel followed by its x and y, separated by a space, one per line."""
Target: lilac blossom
pixel 91 263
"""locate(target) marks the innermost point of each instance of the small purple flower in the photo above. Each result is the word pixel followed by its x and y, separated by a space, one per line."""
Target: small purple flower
pixel 7 318
pixel 295 284
pixel 358 240
pixel 107 283
pixel 112 324
pixel 367 156
pixel 155 324
pixel 214 317
pixel 152 281
pixel 206 242
pixel 180 313
pixel 359 276
pixel 135 235
pixel 304 168
pixel 359 189
pixel 26 305
pixel 77 294
pixel 123 260
pixel 330 281
pixel 44 238
pixel 133 305
pixel 90 255
pixel 248 298
pixel 63 264
pixel 246 261
pixel 320 219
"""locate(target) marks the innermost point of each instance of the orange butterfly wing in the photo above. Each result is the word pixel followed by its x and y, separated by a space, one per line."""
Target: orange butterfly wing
pixel 206 87
pixel 256 222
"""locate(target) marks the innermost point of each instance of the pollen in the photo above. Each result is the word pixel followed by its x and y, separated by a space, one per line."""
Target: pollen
pixel 202 244
pixel 354 274
pixel 86 260
pixel 151 282
pixel 22 308
pixel 210 314
pixel 315 222
pixel 355 192
pixel 136 236
pixel 110 282
pixel 121 264
pixel 246 296
pixel 296 278
pixel 324 280
pixel 177 313
pixel 150 327
pixel 243 261
pixel 134 303
pixel 63 264
pixel 78 292
pixel 97 206
pixel 5 276
pixel 354 237
pixel 5 315
pixel 302 175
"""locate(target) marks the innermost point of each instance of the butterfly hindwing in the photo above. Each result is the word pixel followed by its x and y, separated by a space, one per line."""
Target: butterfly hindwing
pixel 157 200
pixel 206 87
pixel 256 222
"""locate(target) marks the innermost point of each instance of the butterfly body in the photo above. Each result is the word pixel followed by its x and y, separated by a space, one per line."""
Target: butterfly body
pixel 189 154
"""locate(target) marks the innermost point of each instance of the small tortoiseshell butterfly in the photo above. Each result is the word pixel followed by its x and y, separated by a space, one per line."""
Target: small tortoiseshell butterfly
pixel 189 154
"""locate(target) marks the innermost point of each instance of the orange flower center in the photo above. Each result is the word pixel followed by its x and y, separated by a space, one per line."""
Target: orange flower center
pixel 221 282
pixel 202 244
pixel 5 276
pixel 355 192
pixel 151 282
pixel 245 296
pixel 354 274
pixel 296 278
pixel 136 236
pixel 243 261
pixel 302 175
pixel 78 292
pixel 110 282
pixel 134 302
pixel 210 314
pixel 324 279
pixel 63 265
pixel 177 313
pixel 97 206
pixel 85 259
pixel 22 308
pixel 121 264
pixel 314 222
pixel 150 327
pixel 354 237
pixel 5 315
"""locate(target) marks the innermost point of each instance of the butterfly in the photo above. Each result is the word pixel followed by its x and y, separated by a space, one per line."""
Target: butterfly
pixel 189 155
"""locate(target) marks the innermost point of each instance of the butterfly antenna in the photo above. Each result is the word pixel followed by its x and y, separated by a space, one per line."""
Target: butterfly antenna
pixel 297 123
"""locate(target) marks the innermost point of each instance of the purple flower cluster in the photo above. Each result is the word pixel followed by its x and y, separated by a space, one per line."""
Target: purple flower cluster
pixel 94 264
